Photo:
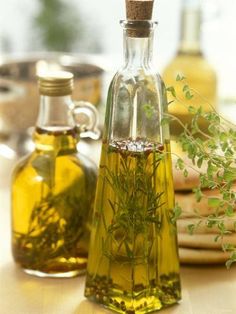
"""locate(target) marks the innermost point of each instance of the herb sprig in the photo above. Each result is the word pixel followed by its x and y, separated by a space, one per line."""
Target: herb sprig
pixel 215 149
pixel 134 190
pixel 58 222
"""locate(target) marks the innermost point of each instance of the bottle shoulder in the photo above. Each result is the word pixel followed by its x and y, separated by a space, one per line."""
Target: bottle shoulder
pixel 144 78
pixel 37 166
pixel 21 164
pixel 86 162
pixel 131 72
pixel 191 64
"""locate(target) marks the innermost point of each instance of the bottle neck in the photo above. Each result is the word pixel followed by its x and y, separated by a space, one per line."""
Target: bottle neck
pixel 55 127
pixel 138 50
pixel 55 112
pixel 190 40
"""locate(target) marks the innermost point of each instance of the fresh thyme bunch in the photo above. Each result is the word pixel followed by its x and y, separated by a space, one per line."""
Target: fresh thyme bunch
pixel 212 153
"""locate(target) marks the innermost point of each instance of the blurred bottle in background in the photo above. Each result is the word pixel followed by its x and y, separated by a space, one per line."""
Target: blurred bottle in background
pixel 191 64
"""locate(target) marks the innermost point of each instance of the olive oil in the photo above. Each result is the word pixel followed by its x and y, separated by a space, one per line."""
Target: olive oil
pixel 133 263
pixel 190 63
pixel 53 188
pixel 52 198
pixel 201 78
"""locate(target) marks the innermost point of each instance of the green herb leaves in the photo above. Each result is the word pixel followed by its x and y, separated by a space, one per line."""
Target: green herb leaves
pixel 209 141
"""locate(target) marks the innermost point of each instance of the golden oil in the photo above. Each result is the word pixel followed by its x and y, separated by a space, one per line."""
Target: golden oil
pixel 190 62
pixel 52 198
pixel 133 263
pixel 201 79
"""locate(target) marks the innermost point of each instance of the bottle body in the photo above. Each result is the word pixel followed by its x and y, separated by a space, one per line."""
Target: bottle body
pixel 52 198
pixel 53 188
pixel 191 64
pixel 133 260
pixel 201 79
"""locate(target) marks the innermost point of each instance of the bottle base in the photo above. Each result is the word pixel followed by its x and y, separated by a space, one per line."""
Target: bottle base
pixel 140 300
pixel 59 267
pixel 68 274
pixel 146 306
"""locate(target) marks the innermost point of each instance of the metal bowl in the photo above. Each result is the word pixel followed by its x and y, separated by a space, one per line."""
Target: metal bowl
pixel 19 98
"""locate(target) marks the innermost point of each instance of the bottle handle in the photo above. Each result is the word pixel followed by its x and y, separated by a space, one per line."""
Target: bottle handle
pixel 85 116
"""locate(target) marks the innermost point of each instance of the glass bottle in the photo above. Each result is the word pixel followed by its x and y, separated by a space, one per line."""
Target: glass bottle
pixel 53 188
pixel 133 264
pixel 191 64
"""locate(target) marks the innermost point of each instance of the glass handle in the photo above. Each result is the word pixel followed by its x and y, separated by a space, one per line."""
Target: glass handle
pixel 85 116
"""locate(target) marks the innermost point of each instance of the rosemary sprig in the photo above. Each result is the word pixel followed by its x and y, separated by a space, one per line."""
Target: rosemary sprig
pixel 135 208
pixel 57 224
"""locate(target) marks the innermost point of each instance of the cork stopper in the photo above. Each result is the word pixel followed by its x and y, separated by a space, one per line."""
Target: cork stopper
pixel 139 10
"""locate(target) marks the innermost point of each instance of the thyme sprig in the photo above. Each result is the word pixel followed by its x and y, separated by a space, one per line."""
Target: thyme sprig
pixel 215 149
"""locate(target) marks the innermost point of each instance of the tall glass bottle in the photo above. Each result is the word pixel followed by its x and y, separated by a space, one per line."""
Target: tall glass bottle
pixel 133 262
pixel 53 188
pixel 191 63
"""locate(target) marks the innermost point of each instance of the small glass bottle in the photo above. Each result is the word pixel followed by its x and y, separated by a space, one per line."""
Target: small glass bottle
pixel 133 264
pixel 53 188
pixel 191 64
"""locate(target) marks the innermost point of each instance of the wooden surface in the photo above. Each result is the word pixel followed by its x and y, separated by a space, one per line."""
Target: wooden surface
pixel 205 290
